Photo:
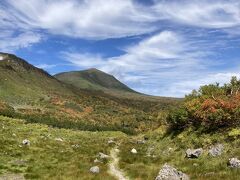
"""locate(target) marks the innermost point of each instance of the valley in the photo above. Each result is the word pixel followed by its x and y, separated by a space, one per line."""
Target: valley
pixel 88 125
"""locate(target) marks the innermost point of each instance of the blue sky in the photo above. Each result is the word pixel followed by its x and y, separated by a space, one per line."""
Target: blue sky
pixel 158 47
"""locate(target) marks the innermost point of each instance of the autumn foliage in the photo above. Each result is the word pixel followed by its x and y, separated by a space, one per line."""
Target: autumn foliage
pixel 212 107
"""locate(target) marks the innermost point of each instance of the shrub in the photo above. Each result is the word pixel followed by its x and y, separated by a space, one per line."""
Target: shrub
pixel 211 107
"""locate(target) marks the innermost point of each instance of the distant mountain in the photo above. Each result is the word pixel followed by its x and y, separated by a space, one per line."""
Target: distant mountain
pixel 33 94
pixel 93 79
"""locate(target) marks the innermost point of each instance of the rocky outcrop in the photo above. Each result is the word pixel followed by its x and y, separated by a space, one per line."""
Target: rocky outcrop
pixel 194 153
pixel 216 150
pixel 234 163
pixel 170 173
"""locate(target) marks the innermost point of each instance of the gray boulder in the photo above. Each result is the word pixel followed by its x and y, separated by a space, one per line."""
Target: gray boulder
pixel 216 150
pixel 169 173
pixel 194 153
pixel 234 163
pixel 94 170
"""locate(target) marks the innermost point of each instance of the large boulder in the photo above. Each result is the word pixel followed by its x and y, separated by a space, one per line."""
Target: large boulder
pixel 194 153
pixel 94 170
pixel 234 163
pixel 170 173
pixel 216 150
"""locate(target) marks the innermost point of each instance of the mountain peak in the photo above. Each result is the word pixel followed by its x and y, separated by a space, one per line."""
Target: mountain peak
pixel 93 79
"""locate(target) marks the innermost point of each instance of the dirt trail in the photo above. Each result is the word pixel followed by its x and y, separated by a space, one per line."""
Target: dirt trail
pixel 114 169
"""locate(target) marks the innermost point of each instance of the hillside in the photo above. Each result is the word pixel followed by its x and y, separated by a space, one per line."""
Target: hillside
pixel 93 79
pixel 31 93
pixel 20 81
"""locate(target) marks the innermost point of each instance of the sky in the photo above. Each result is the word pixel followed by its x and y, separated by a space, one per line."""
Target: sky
pixel 157 47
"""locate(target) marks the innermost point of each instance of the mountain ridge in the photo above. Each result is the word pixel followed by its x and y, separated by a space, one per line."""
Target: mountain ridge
pixel 93 79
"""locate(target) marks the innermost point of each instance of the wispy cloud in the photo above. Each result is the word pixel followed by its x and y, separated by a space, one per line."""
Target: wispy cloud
pixel 10 41
pixel 157 62
pixel 204 13
pixel 97 19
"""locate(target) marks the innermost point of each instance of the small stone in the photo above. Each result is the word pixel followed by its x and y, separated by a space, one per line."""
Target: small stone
pixel 26 142
pixel 234 163
pixel 97 161
pixel 59 139
pixel 117 150
pixel 195 164
pixel 14 135
pixel 103 156
pixel 134 151
pixel 75 146
pixel 111 142
pixel 141 141
pixel 170 173
pixel 216 150
pixel 95 170
pixel 194 153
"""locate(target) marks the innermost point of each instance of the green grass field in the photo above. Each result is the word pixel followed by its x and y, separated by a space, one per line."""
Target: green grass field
pixel 47 158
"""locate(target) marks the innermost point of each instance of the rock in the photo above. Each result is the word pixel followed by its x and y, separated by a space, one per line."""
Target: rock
pixel 75 146
pixel 116 150
pixel 134 151
pixel 97 161
pixel 141 141
pixel 194 153
pixel 111 142
pixel 59 139
pixel 95 169
pixel 103 156
pixel 216 150
pixel 169 173
pixel 146 138
pixel 26 142
pixel 150 152
pixel 234 163
pixel 195 164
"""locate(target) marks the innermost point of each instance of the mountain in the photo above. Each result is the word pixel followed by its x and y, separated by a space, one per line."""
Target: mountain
pixel 21 81
pixel 93 79
pixel 33 94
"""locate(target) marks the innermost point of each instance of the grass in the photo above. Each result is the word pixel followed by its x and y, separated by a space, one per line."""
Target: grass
pixel 47 158
pixel 140 166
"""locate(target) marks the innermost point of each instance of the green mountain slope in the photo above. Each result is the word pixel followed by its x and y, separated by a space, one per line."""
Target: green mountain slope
pixel 31 93
pixel 20 81
pixel 93 79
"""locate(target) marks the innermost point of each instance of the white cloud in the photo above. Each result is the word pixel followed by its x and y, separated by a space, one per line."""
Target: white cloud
pixel 157 62
pixel 204 13
pixel 98 19
pixel 11 42
pixel 46 66
pixel 93 19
